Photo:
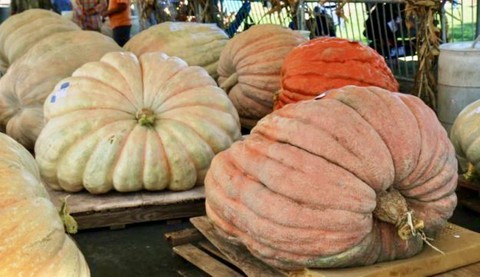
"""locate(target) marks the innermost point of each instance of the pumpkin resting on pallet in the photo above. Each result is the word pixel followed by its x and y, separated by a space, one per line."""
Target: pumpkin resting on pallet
pixel 249 67
pixel 129 123
pixel 196 43
pixel 465 134
pixel 323 183
pixel 22 31
pixel 33 240
pixel 326 63
pixel 32 77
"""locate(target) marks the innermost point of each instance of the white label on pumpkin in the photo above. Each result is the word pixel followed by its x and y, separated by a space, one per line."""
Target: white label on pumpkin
pixel 62 92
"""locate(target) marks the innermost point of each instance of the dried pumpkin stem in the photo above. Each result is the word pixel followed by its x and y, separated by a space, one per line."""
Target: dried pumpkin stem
pixel 231 81
pixel 70 224
pixel 471 174
pixel 392 208
pixel 145 117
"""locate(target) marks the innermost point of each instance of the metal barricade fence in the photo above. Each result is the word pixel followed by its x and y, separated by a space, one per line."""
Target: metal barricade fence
pixel 380 24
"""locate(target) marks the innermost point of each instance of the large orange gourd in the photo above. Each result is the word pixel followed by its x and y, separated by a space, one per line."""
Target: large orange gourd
pixel 249 67
pixel 332 182
pixel 327 63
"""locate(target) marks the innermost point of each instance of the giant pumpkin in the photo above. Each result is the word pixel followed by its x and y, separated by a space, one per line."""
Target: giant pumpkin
pixel 129 123
pixel 249 67
pixel 326 63
pixel 32 77
pixel 33 240
pixel 196 43
pixel 334 182
pixel 22 31
pixel 465 134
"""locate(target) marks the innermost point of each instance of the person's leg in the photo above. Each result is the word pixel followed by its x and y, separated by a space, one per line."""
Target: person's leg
pixel 121 34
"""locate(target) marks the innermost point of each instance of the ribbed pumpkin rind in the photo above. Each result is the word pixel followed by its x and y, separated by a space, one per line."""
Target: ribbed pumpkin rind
pixel 93 140
pixel 196 43
pixel 22 31
pixel 33 239
pixel 299 191
pixel 327 63
pixel 256 56
pixel 32 77
pixel 465 136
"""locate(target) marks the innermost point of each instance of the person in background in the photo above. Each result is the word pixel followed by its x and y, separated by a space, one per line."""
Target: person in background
pixel 88 13
pixel 61 5
pixel 120 21
pixel 18 6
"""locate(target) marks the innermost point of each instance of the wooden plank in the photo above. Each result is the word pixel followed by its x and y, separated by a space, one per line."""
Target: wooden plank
pixel 183 236
pixel 139 214
pixel 204 261
pixel 117 209
pixel 471 270
pixel 237 254
pixel 210 248
pixel 461 247
pixel 467 184
pixel 83 202
pixel 472 204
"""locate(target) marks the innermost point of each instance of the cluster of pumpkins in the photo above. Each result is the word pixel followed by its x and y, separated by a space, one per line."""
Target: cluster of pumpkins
pixel 332 139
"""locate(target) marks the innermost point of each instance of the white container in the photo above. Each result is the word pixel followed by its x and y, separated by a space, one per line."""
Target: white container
pixel 458 79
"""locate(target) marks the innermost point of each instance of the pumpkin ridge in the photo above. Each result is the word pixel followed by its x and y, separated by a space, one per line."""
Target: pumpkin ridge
pixel 259 95
pixel 93 109
pixel 112 121
pixel 154 135
pixel 95 78
pixel 274 190
pixel 411 192
pixel 176 105
pixel 190 157
pixel 221 192
pixel 83 138
pixel 276 139
pixel 283 245
pixel 113 168
pixel 347 80
pixel 172 92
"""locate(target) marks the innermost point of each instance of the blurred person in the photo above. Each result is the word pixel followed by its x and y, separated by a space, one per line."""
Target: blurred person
pixel 119 13
pixel 60 6
pixel 18 6
pixel 88 13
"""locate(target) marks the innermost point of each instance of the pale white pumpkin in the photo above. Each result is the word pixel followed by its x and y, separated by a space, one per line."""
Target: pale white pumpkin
pixel 32 77
pixel 33 240
pixel 196 43
pixel 129 123
pixel 22 31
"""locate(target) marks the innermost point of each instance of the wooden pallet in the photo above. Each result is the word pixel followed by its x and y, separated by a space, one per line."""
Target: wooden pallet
pixel 469 193
pixel 220 257
pixel 115 209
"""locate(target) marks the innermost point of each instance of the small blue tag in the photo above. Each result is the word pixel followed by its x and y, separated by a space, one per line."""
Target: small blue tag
pixel 53 98
pixel 65 85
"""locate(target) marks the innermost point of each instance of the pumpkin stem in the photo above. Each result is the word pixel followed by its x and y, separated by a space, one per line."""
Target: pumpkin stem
pixel 145 117
pixel 71 226
pixel 231 81
pixel 392 208
pixel 471 174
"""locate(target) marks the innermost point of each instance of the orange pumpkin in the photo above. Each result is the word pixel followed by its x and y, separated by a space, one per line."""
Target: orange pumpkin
pixel 249 67
pixel 326 63
pixel 333 182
